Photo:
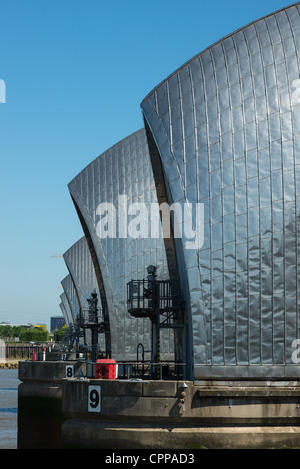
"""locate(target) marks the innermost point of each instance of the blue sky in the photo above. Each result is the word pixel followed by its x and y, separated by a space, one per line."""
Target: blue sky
pixel 75 74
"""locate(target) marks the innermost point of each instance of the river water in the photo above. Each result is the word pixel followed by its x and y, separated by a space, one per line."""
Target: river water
pixel 8 408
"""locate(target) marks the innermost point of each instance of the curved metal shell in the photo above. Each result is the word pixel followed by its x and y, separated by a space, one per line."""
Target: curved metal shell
pixel 65 307
pixel 70 291
pixel 80 266
pixel 124 169
pixel 226 126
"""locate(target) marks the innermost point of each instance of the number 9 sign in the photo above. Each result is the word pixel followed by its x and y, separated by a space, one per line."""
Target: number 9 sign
pixel 94 398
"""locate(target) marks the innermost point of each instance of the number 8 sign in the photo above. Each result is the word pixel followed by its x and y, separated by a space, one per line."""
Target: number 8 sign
pixel 69 371
pixel 94 398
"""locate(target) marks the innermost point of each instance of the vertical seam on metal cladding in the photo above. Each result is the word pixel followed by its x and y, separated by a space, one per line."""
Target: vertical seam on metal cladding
pixel 259 201
pixel 197 165
pixel 235 227
pixel 272 205
pixel 183 176
pixel 209 354
pixel 170 117
pixel 222 359
pixel 222 204
pixel 156 102
pixel 283 213
pixel 247 242
pixel 198 193
pixel 222 193
pixel 295 193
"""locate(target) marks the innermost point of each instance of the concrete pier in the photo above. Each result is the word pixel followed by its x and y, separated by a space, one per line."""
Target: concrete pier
pixel 60 411
pixel 40 415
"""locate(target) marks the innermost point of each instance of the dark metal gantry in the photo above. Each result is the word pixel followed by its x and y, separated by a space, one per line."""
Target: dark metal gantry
pixel 158 300
pixel 91 321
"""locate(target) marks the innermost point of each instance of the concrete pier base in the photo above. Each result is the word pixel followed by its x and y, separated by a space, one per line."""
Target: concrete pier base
pixel 59 409
pixel 133 436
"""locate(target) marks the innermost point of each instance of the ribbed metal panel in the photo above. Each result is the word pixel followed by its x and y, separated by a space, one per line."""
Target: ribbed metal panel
pixel 227 127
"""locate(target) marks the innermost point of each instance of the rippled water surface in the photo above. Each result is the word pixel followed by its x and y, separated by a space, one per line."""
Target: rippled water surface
pixel 8 408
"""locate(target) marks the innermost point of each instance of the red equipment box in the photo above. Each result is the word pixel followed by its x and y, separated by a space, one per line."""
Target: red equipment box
pixel 106 369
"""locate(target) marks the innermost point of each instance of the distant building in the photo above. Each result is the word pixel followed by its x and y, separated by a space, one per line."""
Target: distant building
pixel 56 322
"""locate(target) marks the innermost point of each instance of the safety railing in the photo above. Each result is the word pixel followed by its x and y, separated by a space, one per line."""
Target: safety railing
pixel 129 370
pixel 143 299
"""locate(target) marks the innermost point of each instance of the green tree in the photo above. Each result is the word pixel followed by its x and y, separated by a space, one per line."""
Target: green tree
pixel 25 334
pixel 59 333
pixel 32 335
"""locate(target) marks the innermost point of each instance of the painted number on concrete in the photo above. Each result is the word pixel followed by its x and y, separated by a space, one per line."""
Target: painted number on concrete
pixel 94 399
pixel 69 371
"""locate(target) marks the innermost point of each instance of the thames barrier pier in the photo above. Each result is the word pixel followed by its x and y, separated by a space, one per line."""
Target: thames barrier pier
pixel 181 297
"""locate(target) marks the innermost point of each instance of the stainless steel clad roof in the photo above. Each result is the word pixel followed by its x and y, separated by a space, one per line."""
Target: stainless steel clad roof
pixel 124 169
pixel 227 128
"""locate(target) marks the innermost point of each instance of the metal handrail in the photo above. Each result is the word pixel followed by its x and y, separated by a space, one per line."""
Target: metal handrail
pixel 136 364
